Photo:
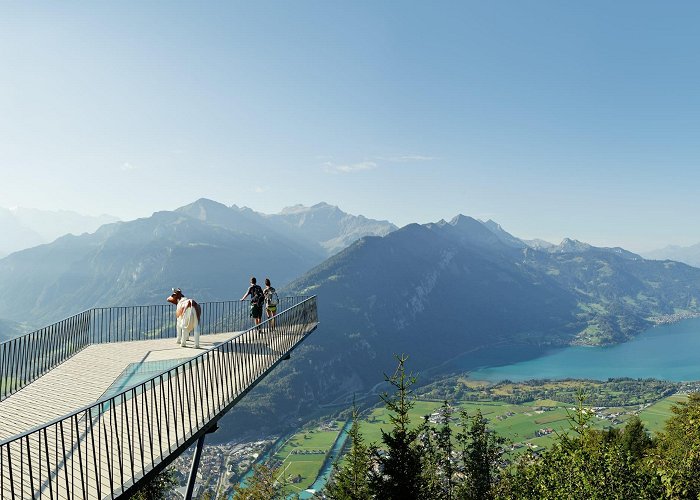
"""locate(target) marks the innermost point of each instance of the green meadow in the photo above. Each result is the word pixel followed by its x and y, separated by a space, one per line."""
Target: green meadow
pixel 532 425
pixel 656 415
pixel 302 456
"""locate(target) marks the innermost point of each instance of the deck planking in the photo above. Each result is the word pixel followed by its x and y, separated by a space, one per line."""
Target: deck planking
pixel 172 417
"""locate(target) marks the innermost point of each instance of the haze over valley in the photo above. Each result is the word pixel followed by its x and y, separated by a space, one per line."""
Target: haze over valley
pixel 689 255
pixel 27 227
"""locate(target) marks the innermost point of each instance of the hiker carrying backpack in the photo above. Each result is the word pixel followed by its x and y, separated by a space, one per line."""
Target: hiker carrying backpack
pixel 257 298
pixel 271 301
pixel 271 297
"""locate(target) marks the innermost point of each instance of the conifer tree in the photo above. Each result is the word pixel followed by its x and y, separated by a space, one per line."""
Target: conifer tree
pixel 399 474
pixel 351 480
pixel 432 487
pixel 634 438
pixel 262 485
pixel 676 457
pixel 436 452
pixel 161 486
pixel 481 450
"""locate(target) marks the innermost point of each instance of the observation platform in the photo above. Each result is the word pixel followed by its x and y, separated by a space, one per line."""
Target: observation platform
pixel 95 405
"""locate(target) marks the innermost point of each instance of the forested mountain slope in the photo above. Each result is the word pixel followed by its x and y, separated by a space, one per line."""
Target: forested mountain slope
pixel 460 291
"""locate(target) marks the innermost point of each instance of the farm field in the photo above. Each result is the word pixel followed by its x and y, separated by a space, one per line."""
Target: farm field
pixel 528 425
pixel 302 456
pixel 656 415
pixel 532 424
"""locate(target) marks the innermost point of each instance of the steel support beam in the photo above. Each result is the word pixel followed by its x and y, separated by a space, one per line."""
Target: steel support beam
pixel 195 462
pixel 195 466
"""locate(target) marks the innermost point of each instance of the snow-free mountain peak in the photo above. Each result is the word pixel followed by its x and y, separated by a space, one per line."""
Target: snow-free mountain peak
pixel 204 208
pixel 469 230
pixel 538 244
pixel 504 235
pixel 569 245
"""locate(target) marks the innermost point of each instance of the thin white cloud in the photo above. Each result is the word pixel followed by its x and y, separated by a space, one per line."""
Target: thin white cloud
pixel 126 166
pixel 407 158
pixel 349 168
pixel 260 189
pixel 371 164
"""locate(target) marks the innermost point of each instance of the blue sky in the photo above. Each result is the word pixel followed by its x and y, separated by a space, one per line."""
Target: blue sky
pixel 554 119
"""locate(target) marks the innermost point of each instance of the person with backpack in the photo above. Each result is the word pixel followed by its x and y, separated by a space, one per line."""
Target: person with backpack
pixel 257 298
pixel 271 301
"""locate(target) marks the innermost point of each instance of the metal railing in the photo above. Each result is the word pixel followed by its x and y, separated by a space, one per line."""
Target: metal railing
pixel 109 448
pixel 25 358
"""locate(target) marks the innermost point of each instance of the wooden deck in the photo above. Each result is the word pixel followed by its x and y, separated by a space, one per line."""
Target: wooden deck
pixel 99 453
pixel 84 378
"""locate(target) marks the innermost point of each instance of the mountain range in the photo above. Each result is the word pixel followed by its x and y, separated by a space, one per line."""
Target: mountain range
pixel 689 255
pixel 454 294
pixel 458 295
pixel 322 229
pixel 206 248
pixel 27 227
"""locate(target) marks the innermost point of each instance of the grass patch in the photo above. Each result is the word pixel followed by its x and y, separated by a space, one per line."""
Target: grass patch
pixel 556 417
pixel 302 456
pixel 654 418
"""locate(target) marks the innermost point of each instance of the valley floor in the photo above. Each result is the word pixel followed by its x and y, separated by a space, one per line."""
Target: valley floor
pixel 300 457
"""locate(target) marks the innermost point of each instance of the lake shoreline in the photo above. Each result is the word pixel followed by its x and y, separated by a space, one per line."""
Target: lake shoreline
pixel 669 319
pixel 664 352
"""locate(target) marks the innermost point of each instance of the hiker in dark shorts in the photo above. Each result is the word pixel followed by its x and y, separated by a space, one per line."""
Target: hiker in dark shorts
pixel 256 300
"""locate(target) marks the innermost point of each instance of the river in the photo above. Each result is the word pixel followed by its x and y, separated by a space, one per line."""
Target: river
pixel 325 472
pixel 668 352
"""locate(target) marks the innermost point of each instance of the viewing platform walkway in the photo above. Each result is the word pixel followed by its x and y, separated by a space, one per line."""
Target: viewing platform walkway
pixel 95 405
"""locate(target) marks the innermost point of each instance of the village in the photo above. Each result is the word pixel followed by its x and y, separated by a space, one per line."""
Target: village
pixel 221 465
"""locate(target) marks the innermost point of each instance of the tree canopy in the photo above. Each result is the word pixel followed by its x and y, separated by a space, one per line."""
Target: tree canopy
pixel 427 460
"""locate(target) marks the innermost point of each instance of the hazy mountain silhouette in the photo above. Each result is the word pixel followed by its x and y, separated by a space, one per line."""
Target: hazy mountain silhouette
pixel 137 262
pixel 323 229
pixel 328 227
pixel 15 235
pixel 27 227
pixel 538 244
pixel 689 255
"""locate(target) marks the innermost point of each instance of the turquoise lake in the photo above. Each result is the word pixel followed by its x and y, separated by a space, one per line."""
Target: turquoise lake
pixel 668 352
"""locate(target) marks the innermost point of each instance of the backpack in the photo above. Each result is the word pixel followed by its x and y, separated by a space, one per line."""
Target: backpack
pixel 258 297
pixel 272 298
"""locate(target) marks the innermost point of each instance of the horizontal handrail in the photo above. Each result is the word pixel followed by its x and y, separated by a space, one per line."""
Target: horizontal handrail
pixel 25 358
pixel 106 448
